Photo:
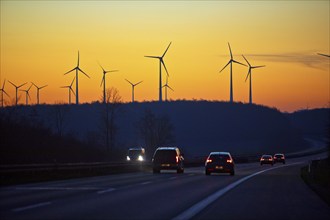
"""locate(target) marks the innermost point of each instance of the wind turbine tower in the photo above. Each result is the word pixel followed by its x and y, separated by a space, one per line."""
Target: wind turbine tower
pixel 133 85
pixel 2 92
pixel 27 94
pixel 249 74
pixel 70 90
pixel 77 69
pixel 16 87
pixel 167 87
pixel 231 61
pixel 38 90
pixel 103 81
pixel 161 62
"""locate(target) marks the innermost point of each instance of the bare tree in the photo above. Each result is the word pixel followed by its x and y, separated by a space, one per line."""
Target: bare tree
pixel 59 113
pixel 155 131
pixel 110 111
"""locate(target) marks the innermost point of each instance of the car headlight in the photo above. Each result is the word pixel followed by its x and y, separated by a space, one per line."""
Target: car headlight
pixel 140 158
pixel 127 158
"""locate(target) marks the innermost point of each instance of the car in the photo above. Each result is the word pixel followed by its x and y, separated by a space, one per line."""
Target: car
pixel 219 162
pixel 279 158
pixel 266 159
pixel 167 158
pixel 136 154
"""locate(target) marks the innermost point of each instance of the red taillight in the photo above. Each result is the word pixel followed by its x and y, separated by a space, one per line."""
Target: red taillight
pixel 177 159
pixel 208 161
pixel 229 161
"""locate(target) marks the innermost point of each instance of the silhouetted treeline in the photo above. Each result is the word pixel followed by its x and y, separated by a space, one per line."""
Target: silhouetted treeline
pixel 24 141
pixel 197 127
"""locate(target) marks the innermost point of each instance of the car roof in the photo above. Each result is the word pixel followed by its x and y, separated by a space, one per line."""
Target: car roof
pixel 266 155
pixel 278 154
pixel 167 148
pixel 220 153
pixel 136 148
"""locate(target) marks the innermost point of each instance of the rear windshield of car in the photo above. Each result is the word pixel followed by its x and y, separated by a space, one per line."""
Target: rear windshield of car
pixel 267 157
pixel 165 154
pixel 278 155
pixel 219 157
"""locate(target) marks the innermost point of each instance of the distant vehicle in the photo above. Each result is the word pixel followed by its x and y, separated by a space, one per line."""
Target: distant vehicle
pixel 219 162
pixel 136 154
pixel 168 158
pixel 266 159
pixel 279 158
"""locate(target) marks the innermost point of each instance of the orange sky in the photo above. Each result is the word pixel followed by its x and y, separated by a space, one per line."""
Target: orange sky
pixel 40 40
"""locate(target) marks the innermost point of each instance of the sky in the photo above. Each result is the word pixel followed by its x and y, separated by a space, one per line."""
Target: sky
pixel 40 42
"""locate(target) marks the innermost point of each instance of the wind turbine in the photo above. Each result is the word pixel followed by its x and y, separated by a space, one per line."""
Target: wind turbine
pixel 38 88
pixel 2 92
pixel 27 94
pixel 167 86
pixel 70 89
pixel 16 87
pixel 231 61
pixel 323 55
pixel 161 61
pixel 250 74
pixel 133 85
pixel 77 69
pixel 103 80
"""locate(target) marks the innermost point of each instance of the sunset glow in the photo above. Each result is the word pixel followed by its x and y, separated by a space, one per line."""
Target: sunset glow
pixel 40 42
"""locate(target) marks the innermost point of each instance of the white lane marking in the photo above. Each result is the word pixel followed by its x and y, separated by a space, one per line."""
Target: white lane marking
pixel 145 183
pixel 56 188
pixel 106 191
pixel 198 207
pixel 31 206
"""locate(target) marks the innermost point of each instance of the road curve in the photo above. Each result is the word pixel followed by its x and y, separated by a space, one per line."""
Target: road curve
pixel 265 193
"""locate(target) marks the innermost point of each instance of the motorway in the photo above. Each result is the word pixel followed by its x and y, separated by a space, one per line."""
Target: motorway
pixel 255 192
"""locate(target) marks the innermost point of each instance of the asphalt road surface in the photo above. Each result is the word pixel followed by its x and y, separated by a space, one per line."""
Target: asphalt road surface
pixel 255 192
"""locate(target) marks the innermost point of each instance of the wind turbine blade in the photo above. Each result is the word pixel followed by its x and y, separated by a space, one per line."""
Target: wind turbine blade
pixel 34 85
pixel 78 59
pixel 129 82
pixel 83 72
pixel 238 62
pixel 5 93
pixel 170 88
pixel 12 83
pixel 30 87
pixel 72 91
pixel 28 95
pixel 152 57
pixel 21 85
pixel 110 71
pixel 246 60
pixel 70 71
pixel 254 67
pixel 65 87
pixel 323 54
pixel 247 76
pixel 164 66
pixel 166 49
pixel 102 68
pixel 102 80
pixel 72 81
pixel 3 85
pixel 225 66
pixel 43 87
pixel 138 83
pixel 231 55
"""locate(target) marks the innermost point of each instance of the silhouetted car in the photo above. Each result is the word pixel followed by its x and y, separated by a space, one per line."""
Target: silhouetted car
pixel 266 159
pixel 279 158
pixel 135 154
pixel 168 158
pixel 219 162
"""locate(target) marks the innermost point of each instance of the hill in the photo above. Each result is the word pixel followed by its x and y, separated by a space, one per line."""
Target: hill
pixel 197 127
